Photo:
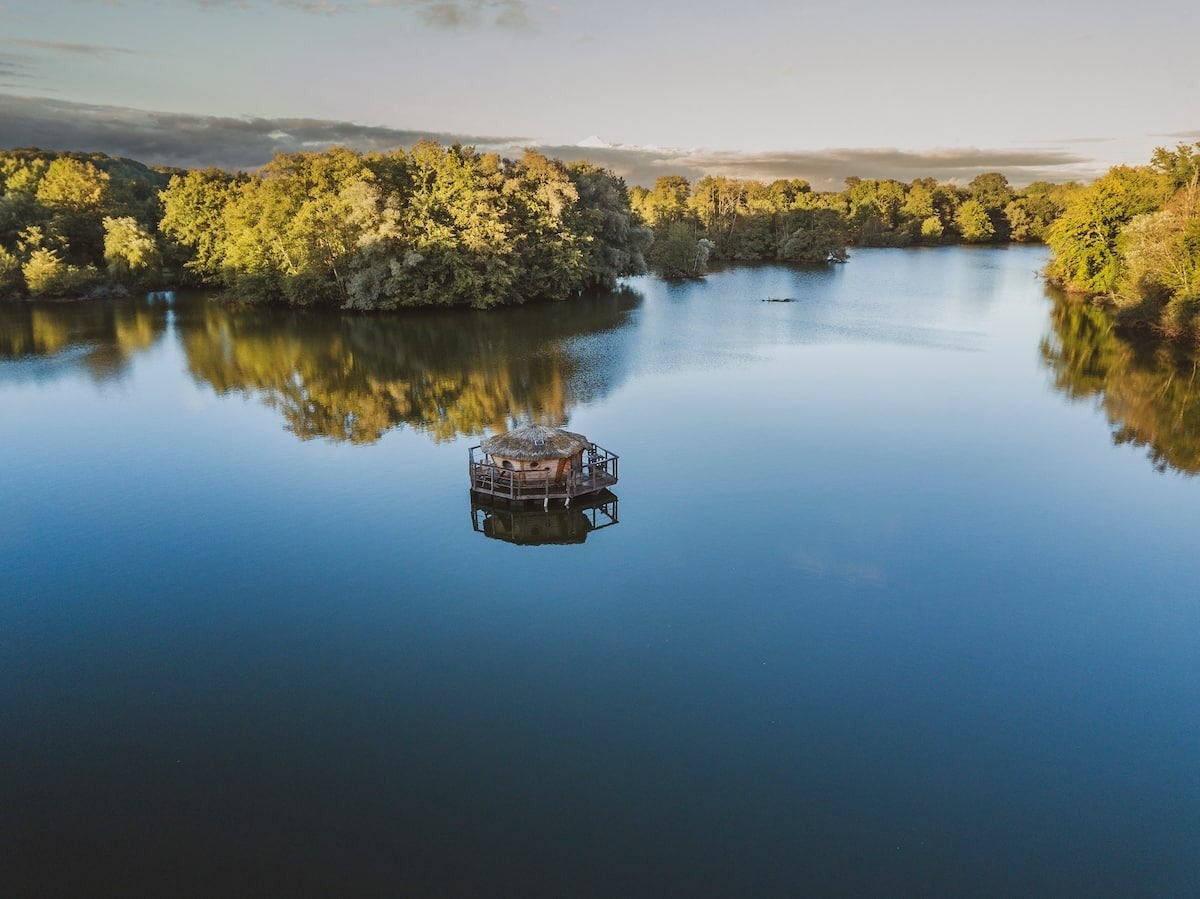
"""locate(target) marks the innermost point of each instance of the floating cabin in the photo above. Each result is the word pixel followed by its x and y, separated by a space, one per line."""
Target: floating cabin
pixel 540 464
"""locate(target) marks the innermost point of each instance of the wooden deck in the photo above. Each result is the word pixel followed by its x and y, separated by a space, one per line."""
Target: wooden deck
pixel 598 472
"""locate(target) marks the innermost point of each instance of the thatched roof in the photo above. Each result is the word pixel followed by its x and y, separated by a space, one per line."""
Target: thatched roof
pixel 533 443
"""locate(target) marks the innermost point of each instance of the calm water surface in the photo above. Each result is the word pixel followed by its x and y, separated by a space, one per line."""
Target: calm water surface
pixel 902 597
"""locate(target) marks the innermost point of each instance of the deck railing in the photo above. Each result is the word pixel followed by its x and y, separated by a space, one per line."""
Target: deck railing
pixel 598 471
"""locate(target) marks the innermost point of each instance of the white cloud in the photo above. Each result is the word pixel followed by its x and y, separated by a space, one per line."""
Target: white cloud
pixel 447 14
pixel 68 47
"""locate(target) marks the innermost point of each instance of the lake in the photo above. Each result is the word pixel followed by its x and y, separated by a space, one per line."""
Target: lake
pixel 898 595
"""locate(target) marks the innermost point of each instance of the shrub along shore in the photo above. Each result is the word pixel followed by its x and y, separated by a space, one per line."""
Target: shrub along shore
pixel 1130 241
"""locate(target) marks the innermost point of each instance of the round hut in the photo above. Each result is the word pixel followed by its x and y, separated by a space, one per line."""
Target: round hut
pixel 536 452
pixel 539 464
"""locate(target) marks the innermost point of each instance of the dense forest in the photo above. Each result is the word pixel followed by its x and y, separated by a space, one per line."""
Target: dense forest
pixel 1131 240
pixel 729 219
pixel 72 223
pixel 435 226
pixel 439 226
pixel 449 226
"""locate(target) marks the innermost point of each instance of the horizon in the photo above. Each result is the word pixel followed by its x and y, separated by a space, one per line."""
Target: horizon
pixel 175 140
pixel 778 92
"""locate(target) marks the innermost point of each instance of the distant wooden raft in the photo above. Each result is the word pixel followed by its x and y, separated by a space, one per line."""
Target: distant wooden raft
pixel 540 464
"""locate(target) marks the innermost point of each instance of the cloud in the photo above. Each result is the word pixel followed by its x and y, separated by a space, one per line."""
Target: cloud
pixel 68 47
pixel 463 13
pixel 178 139
pixel 313 6
pixel 1080 140
pixel 827 169
pixel 15 67
pixel 1185 135
pixel 443 14
pixel 20 71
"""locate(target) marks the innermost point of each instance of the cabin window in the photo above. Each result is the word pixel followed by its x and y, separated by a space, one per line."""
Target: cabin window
pixel 507 464
pixel 533 465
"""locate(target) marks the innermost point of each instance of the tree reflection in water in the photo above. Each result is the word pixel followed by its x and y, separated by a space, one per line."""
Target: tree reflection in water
pixel 1148 389
pixel 351 377
pixel 100 337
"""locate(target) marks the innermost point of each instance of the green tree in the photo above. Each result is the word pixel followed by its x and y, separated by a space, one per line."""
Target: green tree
pixel 1084 238
pixel 72 185
pixel 19 207
pixel 47 274
pixel 456 219
pixel 918 204
pixel 614 244
pixel 10 273
pixel 130 250
pixel 21 175
pixel 1030 214
pixel 719 203
pixel 992 191
pixel 817 234
pixel 876 212
pixel 932 230
pixel 973 222
pixel 1180 165
pixel 77 197
pixel 543 217
pixel 667 202
pixel 678 251
pixel 194 206
pixel 1160 254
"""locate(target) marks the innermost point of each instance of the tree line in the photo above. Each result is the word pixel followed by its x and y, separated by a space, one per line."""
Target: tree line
pixel 1131 241
pixel 438 226
pixel 785 220
pixel 434 226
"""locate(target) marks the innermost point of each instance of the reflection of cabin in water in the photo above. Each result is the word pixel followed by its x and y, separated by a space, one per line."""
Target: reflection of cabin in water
pixel 539 464
pixel 536 527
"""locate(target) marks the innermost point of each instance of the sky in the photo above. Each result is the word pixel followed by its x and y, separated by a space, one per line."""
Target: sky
pixel 1037 89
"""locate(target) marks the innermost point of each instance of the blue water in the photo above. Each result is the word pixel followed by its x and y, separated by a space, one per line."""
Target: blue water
pixel 886 611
